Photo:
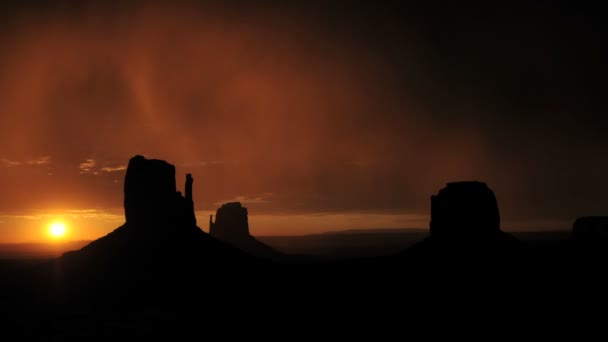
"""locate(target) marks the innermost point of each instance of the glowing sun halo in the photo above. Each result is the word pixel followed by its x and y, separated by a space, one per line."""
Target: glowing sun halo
pixel 57 229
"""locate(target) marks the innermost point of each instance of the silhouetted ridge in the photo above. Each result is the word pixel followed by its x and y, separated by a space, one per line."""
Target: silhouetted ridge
pixel 232 225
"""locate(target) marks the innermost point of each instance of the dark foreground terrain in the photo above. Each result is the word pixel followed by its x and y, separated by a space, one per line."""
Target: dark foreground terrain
pixel 173 291
pixel 169 291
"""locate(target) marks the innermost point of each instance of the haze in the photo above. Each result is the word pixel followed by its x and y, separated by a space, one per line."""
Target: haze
pixel 315 116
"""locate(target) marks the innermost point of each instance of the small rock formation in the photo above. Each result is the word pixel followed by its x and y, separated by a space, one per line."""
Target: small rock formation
pixel 465 221
pixel 232 225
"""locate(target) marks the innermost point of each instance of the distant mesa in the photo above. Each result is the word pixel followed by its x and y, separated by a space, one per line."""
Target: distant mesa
pixel 464 210
pixel 590 231
pixel 232 225
pixel 231 222
pixel 464 219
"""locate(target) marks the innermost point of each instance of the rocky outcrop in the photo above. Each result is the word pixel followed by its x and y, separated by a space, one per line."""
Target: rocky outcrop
pixel 232 225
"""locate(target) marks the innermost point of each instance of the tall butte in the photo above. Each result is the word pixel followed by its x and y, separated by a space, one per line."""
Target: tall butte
pixel 152 203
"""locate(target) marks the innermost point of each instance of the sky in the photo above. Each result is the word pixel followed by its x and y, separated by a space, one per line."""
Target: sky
pixel 316 115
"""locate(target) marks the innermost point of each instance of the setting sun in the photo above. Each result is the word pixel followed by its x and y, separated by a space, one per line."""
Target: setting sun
pixel 57 229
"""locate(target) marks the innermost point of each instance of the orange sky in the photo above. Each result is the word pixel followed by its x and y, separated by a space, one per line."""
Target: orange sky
pixel 333 121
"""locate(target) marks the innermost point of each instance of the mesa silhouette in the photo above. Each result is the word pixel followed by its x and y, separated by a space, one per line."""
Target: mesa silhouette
pixel 232 225
pixel 465 222
pixel 590 236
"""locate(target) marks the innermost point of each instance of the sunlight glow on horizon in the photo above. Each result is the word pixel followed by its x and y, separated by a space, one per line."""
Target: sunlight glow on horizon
pixel 90 224
pixel 57 230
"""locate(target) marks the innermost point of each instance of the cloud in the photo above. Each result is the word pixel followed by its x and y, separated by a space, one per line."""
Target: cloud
pixel 8 163
pixel 91 166
pixel 83 211
pixel 23 216
pixel 244 200
pixel 5 162
pixel 102 215
pixel 113 168
pixel 87 166
pixel 203 163
pixel 39 161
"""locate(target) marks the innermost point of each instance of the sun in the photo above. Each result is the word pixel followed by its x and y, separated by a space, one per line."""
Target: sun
pixel 57 229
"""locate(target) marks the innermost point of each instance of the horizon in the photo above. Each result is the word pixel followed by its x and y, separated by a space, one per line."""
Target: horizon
pixel 317 117
pixel 37 224
pixel 345 244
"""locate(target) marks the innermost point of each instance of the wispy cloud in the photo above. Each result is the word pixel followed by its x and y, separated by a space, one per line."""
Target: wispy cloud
pixel 87 166
pixel 94 167
pixel 82 211
pixel 39 161
pixel 244 200
pixel 203 163
pixel 113 168
pixel 5 162
pixel 103 215
pixel 22 216
pixel 44 160
pixel 96 214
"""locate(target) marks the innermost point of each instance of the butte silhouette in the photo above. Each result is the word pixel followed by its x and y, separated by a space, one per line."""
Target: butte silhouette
pixel 232 225
pixel 590 236
pixel 465 222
